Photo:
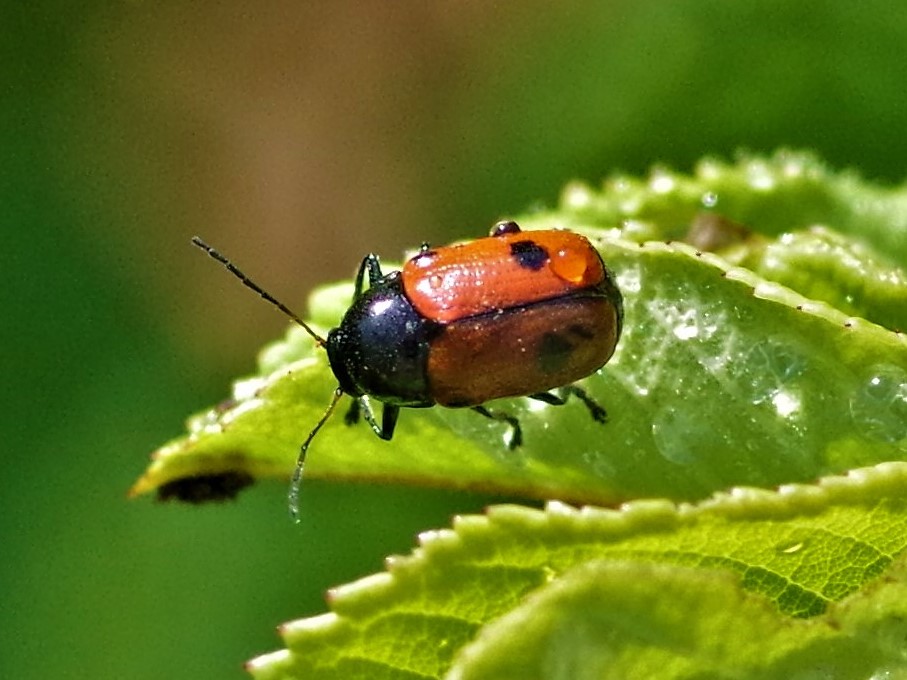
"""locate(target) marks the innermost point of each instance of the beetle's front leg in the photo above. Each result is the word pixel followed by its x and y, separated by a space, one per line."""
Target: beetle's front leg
pixel 388 418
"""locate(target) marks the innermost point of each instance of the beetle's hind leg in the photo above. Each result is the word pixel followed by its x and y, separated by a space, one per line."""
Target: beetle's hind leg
pixel 560 396
pixel 516 432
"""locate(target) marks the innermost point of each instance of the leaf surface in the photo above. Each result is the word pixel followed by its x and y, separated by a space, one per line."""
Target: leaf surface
pixel 760 352
pixel 721 377
pixel 750 583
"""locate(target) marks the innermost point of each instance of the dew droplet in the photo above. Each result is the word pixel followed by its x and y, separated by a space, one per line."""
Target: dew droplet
pixel 618 184
pixel 241 409
pixel 792 166
pixel 637 230
pixel 879 407
pixel 767 372
pixel 207 422
pixel 884 674
pixel 424 260
pixel 661 181
pixel 709 199
pixel 790 548
pixel 630 279
pixel 629 205
pixel 680 435
pixel 760 176
pixel 709 168
pixel 577 196
pixel 786 403
pixel 248 388
pixel 687 325
pixel 599 463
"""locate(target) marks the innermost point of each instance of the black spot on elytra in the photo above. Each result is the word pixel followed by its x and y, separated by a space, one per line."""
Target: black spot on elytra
pixel 581 331
pixel 529 254
pixel 557 347
pixel 554 352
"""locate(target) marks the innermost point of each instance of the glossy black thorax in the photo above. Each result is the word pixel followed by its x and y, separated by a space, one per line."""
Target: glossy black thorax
pixel 381 347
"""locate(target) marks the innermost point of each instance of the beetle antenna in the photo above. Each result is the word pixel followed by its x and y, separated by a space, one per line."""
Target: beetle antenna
pixel 249 283
pixel 293 496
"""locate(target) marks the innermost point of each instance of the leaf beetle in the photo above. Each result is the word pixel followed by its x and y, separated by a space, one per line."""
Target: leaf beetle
pixel 512 314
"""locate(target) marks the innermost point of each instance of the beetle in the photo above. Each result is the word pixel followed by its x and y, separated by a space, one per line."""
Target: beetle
pixel 512 314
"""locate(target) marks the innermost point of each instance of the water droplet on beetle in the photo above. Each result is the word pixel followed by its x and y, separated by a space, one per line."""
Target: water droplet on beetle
pixel 709 199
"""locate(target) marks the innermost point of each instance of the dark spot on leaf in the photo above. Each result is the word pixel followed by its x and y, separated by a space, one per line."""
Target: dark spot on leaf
pixel 205 488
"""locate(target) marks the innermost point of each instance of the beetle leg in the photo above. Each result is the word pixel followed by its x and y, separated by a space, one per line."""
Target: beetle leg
pixel 365 407
pixel 596 410
pixel 388 418
pixel 371 265
pixel 516 432
pixel 296 481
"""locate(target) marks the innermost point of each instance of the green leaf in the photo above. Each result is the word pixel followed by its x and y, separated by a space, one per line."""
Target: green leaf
pixel 625 620
pixel 723 376
pixel 824 265
pixel 749 584
pixel 760 349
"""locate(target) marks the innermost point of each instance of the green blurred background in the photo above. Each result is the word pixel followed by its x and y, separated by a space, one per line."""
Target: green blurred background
pixel 297 137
